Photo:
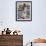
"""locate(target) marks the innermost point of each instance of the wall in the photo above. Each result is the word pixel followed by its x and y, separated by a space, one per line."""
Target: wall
pixel 31 30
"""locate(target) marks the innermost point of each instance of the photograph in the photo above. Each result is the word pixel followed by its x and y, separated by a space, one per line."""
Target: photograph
pixel 23 10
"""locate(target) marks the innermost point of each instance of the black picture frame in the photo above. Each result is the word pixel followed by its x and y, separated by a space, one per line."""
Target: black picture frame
pixel 20 15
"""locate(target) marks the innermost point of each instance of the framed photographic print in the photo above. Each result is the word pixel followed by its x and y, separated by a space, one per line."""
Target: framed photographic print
pixel 23 10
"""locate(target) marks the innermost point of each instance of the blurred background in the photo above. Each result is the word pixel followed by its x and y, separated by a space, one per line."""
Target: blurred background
pixel 31 29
